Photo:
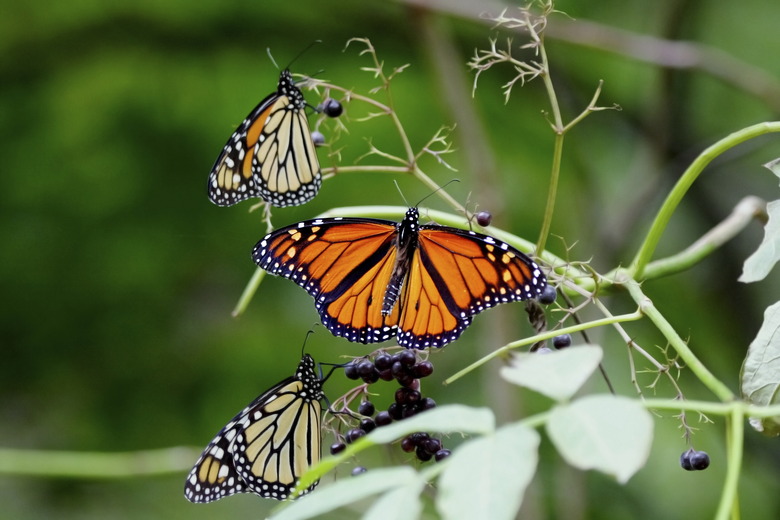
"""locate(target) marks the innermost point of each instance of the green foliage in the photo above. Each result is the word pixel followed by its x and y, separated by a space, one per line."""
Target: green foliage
pixel 119 277
pixel 761 371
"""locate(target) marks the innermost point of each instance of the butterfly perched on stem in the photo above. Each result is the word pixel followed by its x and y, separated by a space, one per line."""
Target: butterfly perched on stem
pixel 271 155
pixel 267 447
pixel 374 279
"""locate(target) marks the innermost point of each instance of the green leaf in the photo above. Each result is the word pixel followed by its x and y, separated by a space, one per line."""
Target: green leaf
pixel 758 265
pixel 449 418
pixel 558 374
pixel 487 477
pixel 760 375
pixel 609 433
pixel 774 166
pixel 402 503
pixel 347 491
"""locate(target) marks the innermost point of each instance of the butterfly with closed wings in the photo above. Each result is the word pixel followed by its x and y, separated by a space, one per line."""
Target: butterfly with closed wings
pixel 267 447
pixel 374 279
pixel 271 155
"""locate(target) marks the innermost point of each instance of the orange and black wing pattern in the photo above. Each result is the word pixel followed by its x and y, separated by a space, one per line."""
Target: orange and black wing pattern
pixel 266 447
pixel 271 154
pixel 374 279
pixel 345 264
pixel 455 274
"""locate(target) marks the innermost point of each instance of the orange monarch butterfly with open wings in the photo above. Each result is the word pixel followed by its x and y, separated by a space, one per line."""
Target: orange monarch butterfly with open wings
pixel 374 279
pixel 267 447
pixel 271 155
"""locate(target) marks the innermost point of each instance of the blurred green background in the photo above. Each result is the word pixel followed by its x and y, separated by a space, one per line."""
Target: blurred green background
pixel 118 276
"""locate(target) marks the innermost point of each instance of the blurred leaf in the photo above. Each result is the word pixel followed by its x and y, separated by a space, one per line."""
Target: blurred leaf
pixel 758 265
pixel 774 166
pixel 558 374
pixel 402 503
pixel 760 375
pixel 609 433
pixel 487 477
pixel 347 491
pixel 450 418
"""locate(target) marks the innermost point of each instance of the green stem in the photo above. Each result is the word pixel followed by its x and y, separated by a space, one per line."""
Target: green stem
pixel 249 292
pixel 540 337
pixel 555 168
pixel 691 361
pixel 661 221
pixel 91 465
pixel 713 408
pixel 728 505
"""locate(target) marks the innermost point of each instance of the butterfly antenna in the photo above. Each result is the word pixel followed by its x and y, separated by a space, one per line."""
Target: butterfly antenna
pixel 312 44
pixel 268 50
pixel 309 333
pixel 434 192
pixel 401 193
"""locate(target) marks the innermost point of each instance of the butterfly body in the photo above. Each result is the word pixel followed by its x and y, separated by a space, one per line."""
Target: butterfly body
pixel 267 446
pixel 374 279
pixel 270 155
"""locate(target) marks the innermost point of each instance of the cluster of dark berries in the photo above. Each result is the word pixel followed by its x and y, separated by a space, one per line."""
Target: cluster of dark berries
pixel 402 367
pixel 693 460
pixel 424 446
pixel 407 370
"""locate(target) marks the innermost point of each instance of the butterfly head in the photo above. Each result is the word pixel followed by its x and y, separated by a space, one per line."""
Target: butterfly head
pixel 287 88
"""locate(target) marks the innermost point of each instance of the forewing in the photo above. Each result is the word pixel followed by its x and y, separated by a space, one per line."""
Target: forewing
pixel 345 264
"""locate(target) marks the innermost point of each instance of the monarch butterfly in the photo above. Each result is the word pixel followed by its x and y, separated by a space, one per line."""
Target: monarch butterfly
pixel 265 448
pixel 374 279
pixel 271 155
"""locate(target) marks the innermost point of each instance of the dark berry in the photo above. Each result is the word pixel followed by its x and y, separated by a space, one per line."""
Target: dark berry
pixel 431 445
pixel 351 371
pixel 337 447
pixel 372 377
pixel 398 370
pixel 699 460
pixel 427 404
pixel 407 358
pixel 383 419
pixel 408 381
pixel 422 454
pixel 317 138
pixel 548 295
pixel 407 444
pixel 386 374
pixel 562 341
pixel 422 369
pixel 383 361
pixel 366 408
pixel 331 107
pixel 685 460
pixel 365 368
pixel 408 411
pixel 367 425
pixel 484 218
pixel 354 434
pixel 358 470
pixel 419 437
pixel 442 454
pixel 395 410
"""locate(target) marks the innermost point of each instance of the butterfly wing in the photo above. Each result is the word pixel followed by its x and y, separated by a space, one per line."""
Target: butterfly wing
pixel 279 440
pixel 267 446
pixel 345 264
pixel 456 274
pixel 271 155
pixel 214 475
